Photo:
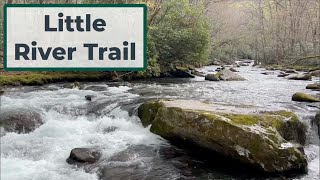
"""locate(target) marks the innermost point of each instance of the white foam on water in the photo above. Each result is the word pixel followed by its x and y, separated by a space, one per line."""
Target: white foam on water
pixel 42 154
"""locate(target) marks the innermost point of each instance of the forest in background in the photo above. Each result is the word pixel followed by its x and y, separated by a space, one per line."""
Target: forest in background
pixel 200 32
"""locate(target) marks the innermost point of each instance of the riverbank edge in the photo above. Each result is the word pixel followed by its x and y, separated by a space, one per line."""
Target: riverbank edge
pixel 38 78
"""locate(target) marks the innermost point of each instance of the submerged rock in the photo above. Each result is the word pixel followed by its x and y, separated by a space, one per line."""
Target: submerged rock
pixel 84 155
pixel 211 77
pixel 267 73
pixel 300 77
pixel 253 139
pixel 233 70
pixel 228 75
pixel 20 120
pixel 96 88
pixel 302 97
pixel 110 129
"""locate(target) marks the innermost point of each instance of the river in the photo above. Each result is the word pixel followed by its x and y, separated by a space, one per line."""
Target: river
pixel 130 151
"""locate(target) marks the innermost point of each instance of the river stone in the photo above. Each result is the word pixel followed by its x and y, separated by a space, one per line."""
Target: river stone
pixel 283 75
pixel 228 75
pixel 211 77
pixel 267 73
pixel 290 71
pixel 89 97
pixel 84 155
pixel 233 70
pixel 316 121
pixel 300 77
pixel 20 120
pixel 253 139
pixel 315 73
pixel 182 72
pixel 198 73
pixel 302 97
pixel 313 86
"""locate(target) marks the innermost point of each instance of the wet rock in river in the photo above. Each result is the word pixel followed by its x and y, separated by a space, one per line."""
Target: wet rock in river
pixel 211 77
pixel 315 73
pixel 182 72
pixel 282 74
pixel 300 77
pixel 218 69
pixel 198 73
pixel 89 97
pixel 290 71
pixel 233 70
pixel 267 73
pixel 228 75
pixel 110 129
pixel 313 86
pixel 20 120
pixel 84 155
pixel 302 97
pixel 316 121
pixel 253 139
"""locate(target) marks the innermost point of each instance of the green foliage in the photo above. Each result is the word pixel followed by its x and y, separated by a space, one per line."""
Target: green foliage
pixel 38 78
pixel 232 51
pixel 179 34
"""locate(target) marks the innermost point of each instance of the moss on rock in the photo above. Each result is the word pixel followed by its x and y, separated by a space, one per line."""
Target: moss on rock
pixel 255 139
pixel 147 112
pixel 302 97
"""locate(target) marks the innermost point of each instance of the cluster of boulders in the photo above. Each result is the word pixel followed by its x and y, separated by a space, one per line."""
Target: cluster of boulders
pixel 269 141
pixel 224 75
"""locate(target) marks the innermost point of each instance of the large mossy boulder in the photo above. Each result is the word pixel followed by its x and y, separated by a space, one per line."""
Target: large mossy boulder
pixel 20 120
pixel 302 97
pixel 255 139
pixel 228 75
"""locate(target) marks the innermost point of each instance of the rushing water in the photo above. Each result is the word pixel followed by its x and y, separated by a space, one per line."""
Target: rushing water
pixel 129 150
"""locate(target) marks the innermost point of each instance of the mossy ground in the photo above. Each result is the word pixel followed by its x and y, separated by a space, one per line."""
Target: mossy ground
pixel 296 67
pixel 41 78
